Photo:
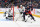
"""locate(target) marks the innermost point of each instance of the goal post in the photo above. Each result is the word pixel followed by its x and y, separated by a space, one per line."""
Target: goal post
pixel 12 8
pixel 13 13
pixel 16 13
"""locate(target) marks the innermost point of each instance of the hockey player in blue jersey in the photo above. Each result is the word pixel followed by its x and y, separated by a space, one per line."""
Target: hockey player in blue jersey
pixel 27 11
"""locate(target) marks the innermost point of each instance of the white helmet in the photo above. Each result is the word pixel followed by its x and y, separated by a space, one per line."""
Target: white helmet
pixel 20 5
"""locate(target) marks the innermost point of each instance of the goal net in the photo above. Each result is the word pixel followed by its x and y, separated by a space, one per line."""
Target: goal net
pixel 16 13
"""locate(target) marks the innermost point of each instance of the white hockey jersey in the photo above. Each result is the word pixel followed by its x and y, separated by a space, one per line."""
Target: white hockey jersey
pixel 22 9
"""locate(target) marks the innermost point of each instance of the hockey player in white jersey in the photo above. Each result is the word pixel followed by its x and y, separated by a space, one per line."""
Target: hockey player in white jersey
pixel 21 10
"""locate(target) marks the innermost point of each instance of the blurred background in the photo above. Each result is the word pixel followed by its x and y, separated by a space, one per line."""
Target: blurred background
pixel 9 3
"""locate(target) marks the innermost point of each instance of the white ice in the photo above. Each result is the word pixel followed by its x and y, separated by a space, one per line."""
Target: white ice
pixel 6 23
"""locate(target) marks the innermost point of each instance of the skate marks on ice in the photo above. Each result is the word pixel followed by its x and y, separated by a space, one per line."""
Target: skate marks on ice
pixel 8 24
pixel 26 24
pixel 17 24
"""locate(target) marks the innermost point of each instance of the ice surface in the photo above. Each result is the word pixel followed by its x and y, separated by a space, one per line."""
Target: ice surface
pixel 7 23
